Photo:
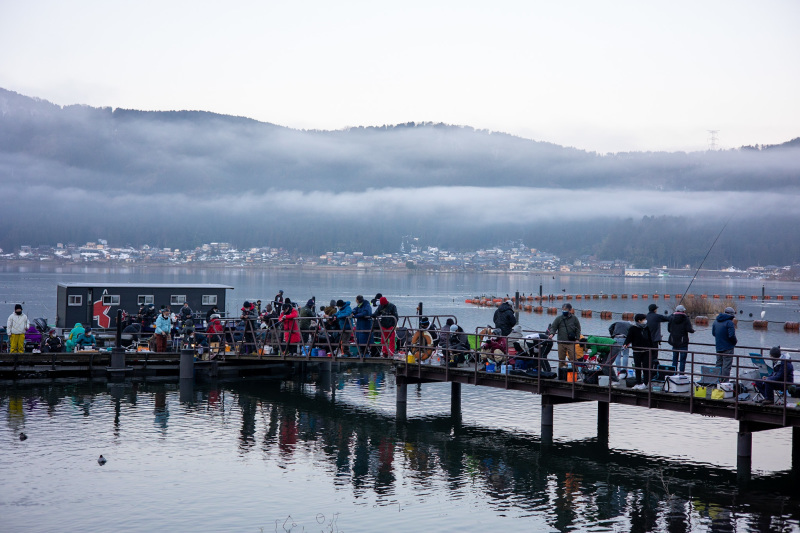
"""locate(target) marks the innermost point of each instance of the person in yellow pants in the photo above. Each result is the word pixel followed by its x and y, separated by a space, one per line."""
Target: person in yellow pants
pixel 16 327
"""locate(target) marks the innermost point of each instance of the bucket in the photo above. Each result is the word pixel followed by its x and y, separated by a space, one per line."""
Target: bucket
pixel 322 353
pixel 602 381
pixel 490 367
pixel 504 369
pixel 314 352
pixel 411 359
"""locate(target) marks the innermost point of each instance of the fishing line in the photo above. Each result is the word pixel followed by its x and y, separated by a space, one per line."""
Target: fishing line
pixel 704 260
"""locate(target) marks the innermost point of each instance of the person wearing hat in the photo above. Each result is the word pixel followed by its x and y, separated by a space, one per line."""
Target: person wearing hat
pixel 277 302
pixel 163 327
pixel 567 330
pixel 639 339
pixel 249 337
pixel 654 321
pixel 386 313
pixel 363 315
pixel 343 314
pixel 213 311
pixel 291 329
pixel 724 332
pixel 306 312
pixel 375 300
pixel 504 318
pixel 679 326
pixel 16 327
pixel 782 373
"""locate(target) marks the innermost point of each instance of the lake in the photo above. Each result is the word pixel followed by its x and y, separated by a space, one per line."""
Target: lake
pixel 298 455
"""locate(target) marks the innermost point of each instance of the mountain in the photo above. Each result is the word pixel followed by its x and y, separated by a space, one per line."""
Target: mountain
pixel 181 178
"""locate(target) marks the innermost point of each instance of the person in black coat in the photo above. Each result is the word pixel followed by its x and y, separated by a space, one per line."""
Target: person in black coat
pixel 654 321
pixel 639 339
pixel 679 327
pixel 504 318
pixel 53 343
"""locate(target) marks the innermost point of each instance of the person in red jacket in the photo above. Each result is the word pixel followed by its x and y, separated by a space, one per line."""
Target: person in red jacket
pixel 291 328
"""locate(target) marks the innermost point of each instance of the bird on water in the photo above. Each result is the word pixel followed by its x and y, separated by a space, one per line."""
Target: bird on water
pixel 101 460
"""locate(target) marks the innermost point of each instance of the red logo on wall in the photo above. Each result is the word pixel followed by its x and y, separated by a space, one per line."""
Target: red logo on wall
pixel 100 313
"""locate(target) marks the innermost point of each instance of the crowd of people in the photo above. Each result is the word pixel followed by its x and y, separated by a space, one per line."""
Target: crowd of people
pixel 371 328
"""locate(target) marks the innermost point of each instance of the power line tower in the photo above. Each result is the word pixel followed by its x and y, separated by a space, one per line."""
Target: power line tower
pixel 712 139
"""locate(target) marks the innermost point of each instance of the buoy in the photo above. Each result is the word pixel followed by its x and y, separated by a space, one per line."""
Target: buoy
pixel 569 297
pixel 528 307
pixel 666 296
pixel 792 326
pixel 530 298
pixel 606 315
pixel 627 316
pixel 759 324
pixel 767 297
pixel 715 296
pixel 779 297
pixel 586 313
pixel 552 310
pixel 704 296
pixel 644 297
pixel 741 296
pixel 634 296
pixel 624 296
pixel 559 297
pixel 701 320
pixel 613 296
pixel 754 297
pixel 729 296
pixel 690 296
pixel 579 296
pixel 655 297
pixel 595 296
pixel 604 296
pixel 538 309
pixel 795 297
pixel 468 301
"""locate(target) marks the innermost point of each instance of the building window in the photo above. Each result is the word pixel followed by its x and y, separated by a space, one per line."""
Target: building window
pixel 146 299
pixel 110 299
pixel 177 299
pixel 75 299
pixel 209 299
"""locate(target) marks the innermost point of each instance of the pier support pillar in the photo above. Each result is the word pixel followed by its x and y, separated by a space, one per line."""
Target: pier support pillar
pixel 402 401
pixel 326 376
pixel 744 454
pixel 796 452
pixel 602 422
pixel 455 399
pixel 547 422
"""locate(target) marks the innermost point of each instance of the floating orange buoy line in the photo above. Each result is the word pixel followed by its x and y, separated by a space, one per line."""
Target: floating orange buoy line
pixel 491 301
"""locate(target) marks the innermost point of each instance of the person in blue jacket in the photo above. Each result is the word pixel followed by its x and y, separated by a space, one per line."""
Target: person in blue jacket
pixel 363 315
pixel 724 332
pixel 782 372
pixel 345 325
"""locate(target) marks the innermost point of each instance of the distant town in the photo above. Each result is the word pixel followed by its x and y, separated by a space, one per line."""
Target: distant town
pixel 516 257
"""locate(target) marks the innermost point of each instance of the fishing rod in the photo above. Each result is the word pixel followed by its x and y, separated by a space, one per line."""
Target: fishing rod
pixel 703 261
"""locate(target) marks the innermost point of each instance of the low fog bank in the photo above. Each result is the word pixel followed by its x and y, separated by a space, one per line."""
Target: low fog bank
pixel 648 227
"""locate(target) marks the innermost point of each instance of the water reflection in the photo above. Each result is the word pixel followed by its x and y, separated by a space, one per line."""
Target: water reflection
pixel 574 485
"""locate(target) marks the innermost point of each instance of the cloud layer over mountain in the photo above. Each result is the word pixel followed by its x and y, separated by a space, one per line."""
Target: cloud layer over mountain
pixel 183 178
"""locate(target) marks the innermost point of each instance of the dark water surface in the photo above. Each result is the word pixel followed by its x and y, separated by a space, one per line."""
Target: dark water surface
pixel 304 455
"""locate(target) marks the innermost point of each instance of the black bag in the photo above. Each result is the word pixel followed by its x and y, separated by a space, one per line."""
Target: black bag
pixel 591 376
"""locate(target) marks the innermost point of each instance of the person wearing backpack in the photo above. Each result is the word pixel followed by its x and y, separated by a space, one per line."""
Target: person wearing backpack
pixel 567 330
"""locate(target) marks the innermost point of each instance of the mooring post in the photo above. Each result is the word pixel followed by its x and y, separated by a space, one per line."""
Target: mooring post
pixel 187 364
pixel 744 453
pixel 118 354
pixel 402 400
pixel 516 306
pixel 455 399
pixel 326 376
pixel 602 422
pixel 547 421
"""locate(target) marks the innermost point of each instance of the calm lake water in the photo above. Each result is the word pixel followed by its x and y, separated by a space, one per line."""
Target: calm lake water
pixel 309 455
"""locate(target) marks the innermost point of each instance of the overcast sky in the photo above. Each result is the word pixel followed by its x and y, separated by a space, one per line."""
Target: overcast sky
pixel 603 76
